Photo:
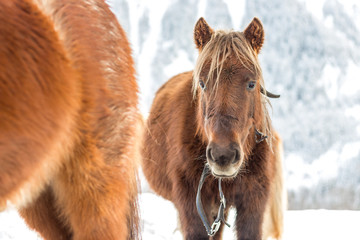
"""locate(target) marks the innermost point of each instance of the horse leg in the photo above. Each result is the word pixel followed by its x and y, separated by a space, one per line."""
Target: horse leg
pixel 219 234
pixel 249 218
pixel 193 228
pixel 191 225
pixel 42 216
pixel 94 195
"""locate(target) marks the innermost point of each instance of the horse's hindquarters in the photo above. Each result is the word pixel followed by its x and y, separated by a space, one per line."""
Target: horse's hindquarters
pixel 39 98
pixel 69 118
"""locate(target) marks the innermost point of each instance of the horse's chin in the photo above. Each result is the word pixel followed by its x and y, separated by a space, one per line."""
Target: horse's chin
pixel 224 172
pixel 223 175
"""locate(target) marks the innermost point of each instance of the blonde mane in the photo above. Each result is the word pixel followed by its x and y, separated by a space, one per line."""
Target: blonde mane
pixel 221 46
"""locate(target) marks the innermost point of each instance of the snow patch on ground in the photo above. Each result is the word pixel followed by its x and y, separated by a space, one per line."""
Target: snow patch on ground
pixel 159 222
pixel 13 227
pixel 322 224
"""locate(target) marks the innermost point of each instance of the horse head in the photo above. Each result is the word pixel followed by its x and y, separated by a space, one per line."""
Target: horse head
pixel 230 95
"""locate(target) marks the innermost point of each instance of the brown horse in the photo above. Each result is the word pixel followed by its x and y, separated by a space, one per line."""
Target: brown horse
pixel 69 120
pixel 216 115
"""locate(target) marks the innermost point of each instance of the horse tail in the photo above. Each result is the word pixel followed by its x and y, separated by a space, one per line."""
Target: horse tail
pixel 133 219
pixel 274 216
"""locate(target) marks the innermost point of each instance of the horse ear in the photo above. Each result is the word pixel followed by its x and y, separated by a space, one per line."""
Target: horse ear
pixel 202 33
pixel 254 33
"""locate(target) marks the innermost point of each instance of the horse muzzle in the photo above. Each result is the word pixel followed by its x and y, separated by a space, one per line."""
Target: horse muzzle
pixel 224 161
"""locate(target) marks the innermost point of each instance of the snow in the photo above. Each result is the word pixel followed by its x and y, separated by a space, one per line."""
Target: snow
pixel 315 7
pixel 352 8
pixel 201 8
pixel 159 222
pixel 322 224
pixel 353 112
pixel 351 85
pixel 329 80
pixel 324 168
pixel 13 227
pixel 180 64
pixel 236 10
pixel 159 218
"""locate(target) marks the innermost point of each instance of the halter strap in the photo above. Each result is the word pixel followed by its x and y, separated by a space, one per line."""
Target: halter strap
pixel 259 136
pixel 220 216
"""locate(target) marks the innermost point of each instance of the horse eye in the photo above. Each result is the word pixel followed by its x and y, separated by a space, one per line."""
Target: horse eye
pixel 202 84
pixel 251 85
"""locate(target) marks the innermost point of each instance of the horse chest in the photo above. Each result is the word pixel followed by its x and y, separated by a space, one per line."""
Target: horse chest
pixel 214 207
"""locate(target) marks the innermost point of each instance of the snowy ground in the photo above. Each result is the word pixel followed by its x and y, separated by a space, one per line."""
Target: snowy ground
pixel 160 223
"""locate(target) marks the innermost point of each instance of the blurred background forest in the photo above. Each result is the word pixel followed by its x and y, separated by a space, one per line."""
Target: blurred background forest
pixel 311 57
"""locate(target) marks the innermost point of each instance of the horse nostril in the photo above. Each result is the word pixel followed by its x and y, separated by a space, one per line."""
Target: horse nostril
pixel 223 156
pixel 237 156
pixel 209 154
